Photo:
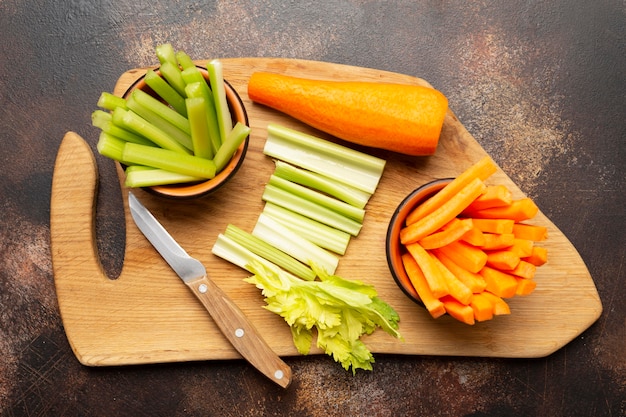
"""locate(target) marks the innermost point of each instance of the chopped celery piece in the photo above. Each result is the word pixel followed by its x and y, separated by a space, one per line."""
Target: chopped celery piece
pixel 322 235
pixel 130 120
pixel 330 186
pixel 343 164
pixel 104 121
pixel 166 53
pixel 169 160
pixel 289 242
pixel 111 147
pixel 216 78
pixel 230 145
pixel 319 198
pixel 312 210
pixel 141 176
pixel 184 60
pixel 200 89
pixel 109 101
pixel 269 252
pixel 159 122
pixel 162 109
pixel 171 73
pixel 196 112
pixel 166 92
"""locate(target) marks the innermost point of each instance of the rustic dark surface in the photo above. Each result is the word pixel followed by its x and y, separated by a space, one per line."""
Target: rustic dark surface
pixel 540 84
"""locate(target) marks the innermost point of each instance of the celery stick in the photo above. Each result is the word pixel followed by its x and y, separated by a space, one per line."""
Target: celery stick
pixel 104 121
pixel 289 242
pixel 166 92
pixel 322 235
pixel 109 101
pixel 312 210
pixel 201 89
pixel 111 147
pixel 269 252
pixel 156 120
pixel 172 75
pixel 216 78
pixel 166 53
pixel 162 109
pixel 319 198
pixel 196 111
pixel 132 121
pixel 310 179
pixel 343 164
pixel 230 145
pixel 169 160
pixel 184 60
pixel 147 177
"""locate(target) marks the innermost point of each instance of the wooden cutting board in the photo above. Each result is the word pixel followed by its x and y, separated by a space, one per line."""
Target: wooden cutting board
pixel 148 315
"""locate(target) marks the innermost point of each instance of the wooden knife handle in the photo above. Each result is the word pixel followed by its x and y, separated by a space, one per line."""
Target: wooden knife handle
pixel 240 332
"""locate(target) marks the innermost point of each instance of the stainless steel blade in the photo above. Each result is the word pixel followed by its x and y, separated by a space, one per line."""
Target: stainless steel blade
pixel 185 266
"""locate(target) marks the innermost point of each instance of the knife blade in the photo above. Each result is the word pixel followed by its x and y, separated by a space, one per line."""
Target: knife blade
pixel 239 331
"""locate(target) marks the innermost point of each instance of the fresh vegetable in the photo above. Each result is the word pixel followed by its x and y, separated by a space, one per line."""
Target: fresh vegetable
pixel 397 117
pixel 468 251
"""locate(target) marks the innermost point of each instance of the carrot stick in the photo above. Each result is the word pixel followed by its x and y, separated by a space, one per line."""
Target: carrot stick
pixel 482 169
pixel 495 241
pixel 500 307
pixel 524 269
pixel 499 283
pixel 469 257
pixel 455 229
pixel 498 225
pixel 456 288
pixel 432 304
pixel 472 280
pixel 436 282
pixel 525 286
pixel 522 247
pixel 443 214
pixel 530 232
pixel 483 307
pixel 518 210
pixel 474 236
pixel 538 257
pixel 461 312
pixel 494 196
pixel 502 259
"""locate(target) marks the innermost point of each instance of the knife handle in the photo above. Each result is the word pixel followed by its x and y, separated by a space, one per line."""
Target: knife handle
pixel 240 331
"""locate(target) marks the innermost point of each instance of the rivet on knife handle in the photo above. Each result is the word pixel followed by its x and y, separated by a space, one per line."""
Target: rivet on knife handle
pixel 240 332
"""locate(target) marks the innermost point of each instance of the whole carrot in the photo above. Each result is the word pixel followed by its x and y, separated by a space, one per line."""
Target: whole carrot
pixel 398 117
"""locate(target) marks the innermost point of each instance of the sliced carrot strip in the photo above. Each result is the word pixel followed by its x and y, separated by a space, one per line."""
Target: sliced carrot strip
pixel 538 257
pixel 469 257
pixel 502 259
pixel 449 234
pixel 436 282
pixel 456 288
pixel 530 232
pixel 499 283
pixel 461 312
pixel 483 307
pixel 518 210
pixel 495 241
pixel 432 304
pixel 494 196
pixel 482 170
pixel 498 226
pixel 525 286
pixel 474 236
pixel 500 307
pixel 472 280
pixel 522 247
pixel 524 269
pixel 442 215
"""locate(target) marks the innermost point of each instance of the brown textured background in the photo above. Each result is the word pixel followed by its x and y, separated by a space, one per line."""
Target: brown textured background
pixel 540 84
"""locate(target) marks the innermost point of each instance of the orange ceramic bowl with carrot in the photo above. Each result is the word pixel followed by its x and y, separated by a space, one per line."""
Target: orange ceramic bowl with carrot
pixel 203 188
pixel 394 249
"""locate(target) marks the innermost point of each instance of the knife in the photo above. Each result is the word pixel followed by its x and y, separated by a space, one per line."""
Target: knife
pixel 228 317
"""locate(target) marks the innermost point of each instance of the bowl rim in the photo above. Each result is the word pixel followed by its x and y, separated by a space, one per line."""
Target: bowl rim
pixel 393 247
pixel 203 188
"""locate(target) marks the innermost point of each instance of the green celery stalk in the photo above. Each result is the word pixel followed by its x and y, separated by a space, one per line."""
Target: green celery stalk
pixel 216 79
pixel 166 92
pixel 269 252
pixel 156 120
pixel 312 210
pixel 197 89
pixel 196 112
pixel 330 186
pixel 230 145
pixel 130 120
pixel 343 164
pixel 162 109
pixel 172 75
pixel 184 60
pixel 109 101
pixel 324 200
pixel 104 121
pixel 111 147
pixel 169 160
pixel 291 243
pixel 322 235
pixel 142 176
pixel 166 53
